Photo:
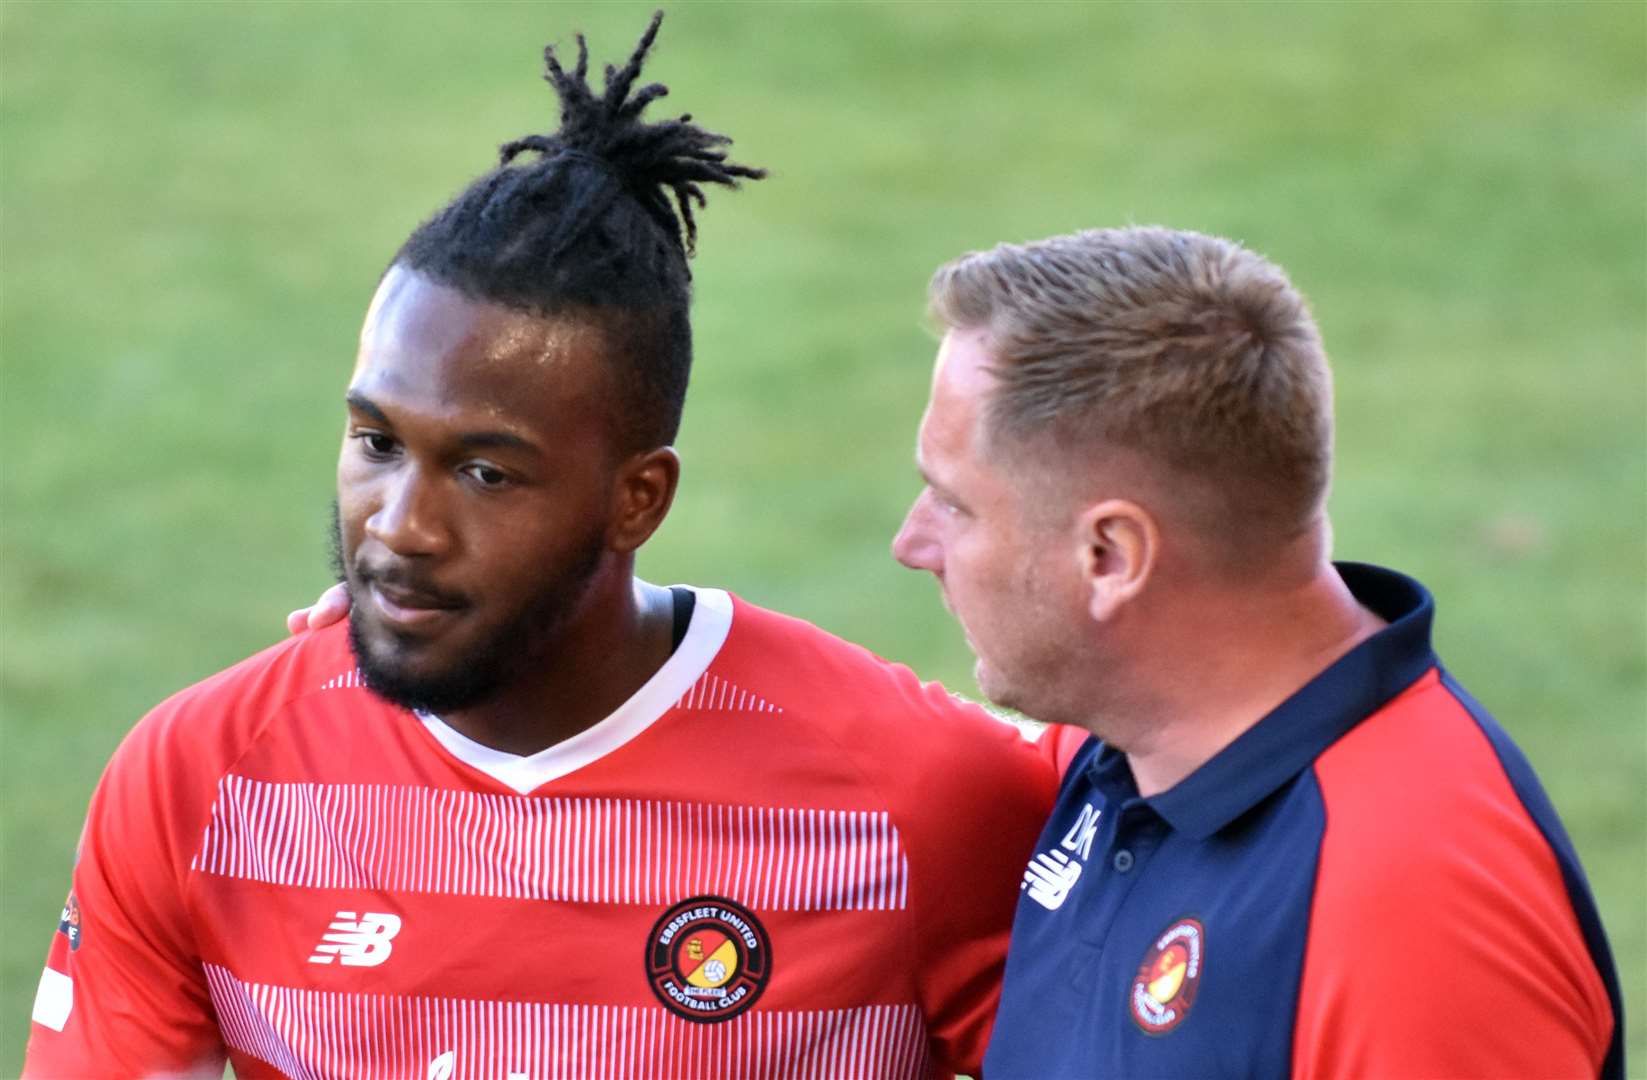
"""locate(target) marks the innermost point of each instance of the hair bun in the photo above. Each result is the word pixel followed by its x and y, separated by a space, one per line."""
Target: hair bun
pixel 650 160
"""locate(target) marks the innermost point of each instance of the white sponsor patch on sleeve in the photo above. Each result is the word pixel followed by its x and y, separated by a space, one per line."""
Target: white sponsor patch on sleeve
pixel 54 1000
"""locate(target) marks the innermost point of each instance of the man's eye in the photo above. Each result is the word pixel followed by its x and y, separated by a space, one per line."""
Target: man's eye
pixel 944 505
pixel 376 443
pixel 486 476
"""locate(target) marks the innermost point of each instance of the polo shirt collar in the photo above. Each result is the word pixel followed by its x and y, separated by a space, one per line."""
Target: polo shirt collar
pixel 1290 737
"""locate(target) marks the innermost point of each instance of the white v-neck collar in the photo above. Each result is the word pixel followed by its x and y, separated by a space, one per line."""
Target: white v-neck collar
pixel 711 621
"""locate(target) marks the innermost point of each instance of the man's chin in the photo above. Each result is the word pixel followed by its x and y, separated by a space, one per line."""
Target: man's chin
pixel 997 690
pixel 990 685
pixel 402 672
pixel 378 648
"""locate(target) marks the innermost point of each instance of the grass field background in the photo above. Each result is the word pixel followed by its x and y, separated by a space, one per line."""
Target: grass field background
pixel 196 199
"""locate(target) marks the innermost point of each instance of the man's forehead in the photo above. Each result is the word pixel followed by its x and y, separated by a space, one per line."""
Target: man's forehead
pixel 963 364
pixel 415 318
pixel 408 304
pixel 961 383
pixel 428 350
pixel 949 432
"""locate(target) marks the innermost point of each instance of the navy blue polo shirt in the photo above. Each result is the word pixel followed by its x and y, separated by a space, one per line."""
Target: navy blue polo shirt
pixel 1368 881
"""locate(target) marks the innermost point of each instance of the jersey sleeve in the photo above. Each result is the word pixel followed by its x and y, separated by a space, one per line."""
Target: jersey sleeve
pixel 1059 743
pixel 123 992
pixel 1442 939
pixel 977 804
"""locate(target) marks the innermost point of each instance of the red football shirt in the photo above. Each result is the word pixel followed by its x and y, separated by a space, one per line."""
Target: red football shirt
pixel 782 856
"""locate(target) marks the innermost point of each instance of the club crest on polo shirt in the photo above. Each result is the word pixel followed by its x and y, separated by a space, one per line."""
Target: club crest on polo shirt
pixel 708 959
pixel 1163 990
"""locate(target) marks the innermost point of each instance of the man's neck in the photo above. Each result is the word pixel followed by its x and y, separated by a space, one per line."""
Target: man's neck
pixel 1247 652
pixel 621 638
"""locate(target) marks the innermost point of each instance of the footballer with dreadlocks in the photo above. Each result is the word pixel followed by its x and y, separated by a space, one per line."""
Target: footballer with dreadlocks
pixel 524 814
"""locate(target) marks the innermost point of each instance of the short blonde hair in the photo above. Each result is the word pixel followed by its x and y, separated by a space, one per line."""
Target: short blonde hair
pixel 1187 349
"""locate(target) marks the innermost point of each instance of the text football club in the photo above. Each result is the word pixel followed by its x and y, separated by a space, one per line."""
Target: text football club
pixel 708 959
pixel 1164 988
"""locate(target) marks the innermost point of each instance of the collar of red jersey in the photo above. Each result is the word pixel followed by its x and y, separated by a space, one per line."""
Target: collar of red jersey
pixel 711 622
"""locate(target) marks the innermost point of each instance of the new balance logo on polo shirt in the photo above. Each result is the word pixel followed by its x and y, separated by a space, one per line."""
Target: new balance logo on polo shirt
pixel 1051 874
pixel 358 943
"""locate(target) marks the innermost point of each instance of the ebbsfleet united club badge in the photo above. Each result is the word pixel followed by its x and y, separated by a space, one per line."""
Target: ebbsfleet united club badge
pixel 1163 991
pixel 708 959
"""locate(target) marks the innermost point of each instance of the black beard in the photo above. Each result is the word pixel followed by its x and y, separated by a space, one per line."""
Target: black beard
pixel 519 646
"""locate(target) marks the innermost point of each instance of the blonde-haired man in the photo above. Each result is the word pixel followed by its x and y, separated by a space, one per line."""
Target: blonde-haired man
pixel 1292 842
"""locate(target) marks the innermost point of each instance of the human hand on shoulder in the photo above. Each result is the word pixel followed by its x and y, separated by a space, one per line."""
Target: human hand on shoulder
pixel 328 608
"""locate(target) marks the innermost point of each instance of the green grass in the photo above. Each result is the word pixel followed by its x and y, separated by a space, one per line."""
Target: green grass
pixel 195 201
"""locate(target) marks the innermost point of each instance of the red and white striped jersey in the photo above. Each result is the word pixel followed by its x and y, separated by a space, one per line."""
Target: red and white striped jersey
pixel 782 857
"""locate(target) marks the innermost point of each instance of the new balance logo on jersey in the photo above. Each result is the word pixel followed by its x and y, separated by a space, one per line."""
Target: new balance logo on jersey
pixel 358 943
pixel 1051 874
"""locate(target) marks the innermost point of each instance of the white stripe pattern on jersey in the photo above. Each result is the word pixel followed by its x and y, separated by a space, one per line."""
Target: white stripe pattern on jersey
pixel 614 851
pixel 347 680
pixel 315 1034
pixel 714 692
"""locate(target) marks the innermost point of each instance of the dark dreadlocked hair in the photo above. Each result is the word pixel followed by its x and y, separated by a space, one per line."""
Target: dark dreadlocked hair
pixel 588 230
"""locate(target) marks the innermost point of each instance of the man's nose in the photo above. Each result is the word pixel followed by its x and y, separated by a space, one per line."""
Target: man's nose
pixel 410 520
pixel 915 545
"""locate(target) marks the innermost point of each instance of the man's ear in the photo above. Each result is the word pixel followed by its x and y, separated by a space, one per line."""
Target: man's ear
pixel 1119 545
pixel 642 492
